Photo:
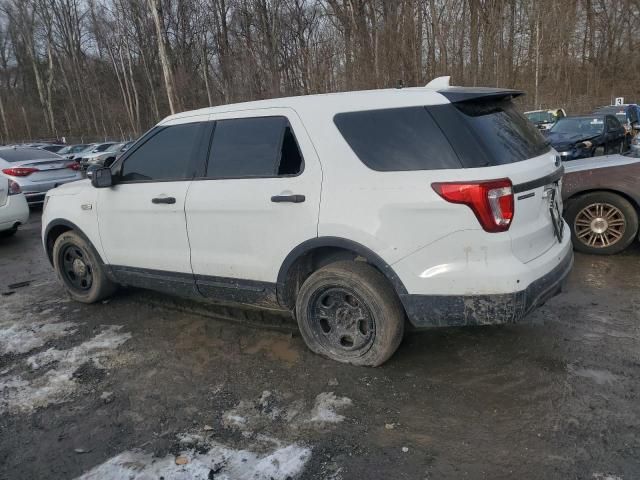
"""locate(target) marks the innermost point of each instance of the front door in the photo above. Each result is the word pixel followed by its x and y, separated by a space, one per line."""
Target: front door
pixel 141 219
pixel 258 199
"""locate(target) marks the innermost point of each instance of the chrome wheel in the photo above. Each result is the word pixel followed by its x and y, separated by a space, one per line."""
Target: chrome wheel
pixel 341 321
pixel 600 225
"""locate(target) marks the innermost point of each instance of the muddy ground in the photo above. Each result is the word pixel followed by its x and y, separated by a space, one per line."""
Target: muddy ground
pixel 149 385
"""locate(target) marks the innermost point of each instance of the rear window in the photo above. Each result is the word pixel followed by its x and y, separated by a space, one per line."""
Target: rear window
pixel 397 139
pixel 24 154
pixel 463 134
pixel 486 133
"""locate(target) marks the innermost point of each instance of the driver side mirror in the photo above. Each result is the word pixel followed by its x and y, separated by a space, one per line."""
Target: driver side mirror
pixel 102 178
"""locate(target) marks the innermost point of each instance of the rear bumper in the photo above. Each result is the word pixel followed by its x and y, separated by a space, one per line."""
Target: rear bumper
pixel 14 212
pixel 458 310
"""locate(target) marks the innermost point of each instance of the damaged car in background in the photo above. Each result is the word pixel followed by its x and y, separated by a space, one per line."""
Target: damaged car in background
pixel 545 119
pixel 602 203
pixel 587 136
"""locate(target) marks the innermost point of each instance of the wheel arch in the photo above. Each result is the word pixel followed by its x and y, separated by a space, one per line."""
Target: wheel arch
pixel 630 198
pixel 57 227
pixel 318 252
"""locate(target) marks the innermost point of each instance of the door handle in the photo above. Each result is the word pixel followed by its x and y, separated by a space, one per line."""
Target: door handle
pixel 167 200
pixel 288 198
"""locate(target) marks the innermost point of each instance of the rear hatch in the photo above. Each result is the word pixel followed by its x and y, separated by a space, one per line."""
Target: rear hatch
pixel 489 134
pixel 4 190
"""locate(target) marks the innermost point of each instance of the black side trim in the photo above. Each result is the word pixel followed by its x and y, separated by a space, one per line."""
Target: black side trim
pixel 459 310
pixel 222 289
pixel 235 290
pixel 464 94
pixel 60 222
pixel 337 242
pixel 539 182
pixel 176 283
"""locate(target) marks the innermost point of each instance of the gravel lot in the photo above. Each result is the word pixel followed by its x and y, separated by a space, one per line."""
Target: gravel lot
pixel 157 387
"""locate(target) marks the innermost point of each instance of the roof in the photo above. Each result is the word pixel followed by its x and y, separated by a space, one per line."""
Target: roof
pixel 359 100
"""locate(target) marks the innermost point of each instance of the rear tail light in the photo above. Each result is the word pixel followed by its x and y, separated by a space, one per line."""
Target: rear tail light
pixel 14 188
pixel 19 171
pixel 73 166
pixel 491 201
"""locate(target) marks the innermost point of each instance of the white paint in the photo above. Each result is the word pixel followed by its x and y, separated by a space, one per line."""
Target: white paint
pixel 324 409
pixel 57 384
pixel 606 476
pixel 230 464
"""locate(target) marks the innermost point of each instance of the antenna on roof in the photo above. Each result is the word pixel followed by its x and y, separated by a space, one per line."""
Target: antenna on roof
pixel 439 83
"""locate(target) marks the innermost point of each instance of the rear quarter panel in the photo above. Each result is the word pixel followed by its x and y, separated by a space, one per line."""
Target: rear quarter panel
pixel 624 179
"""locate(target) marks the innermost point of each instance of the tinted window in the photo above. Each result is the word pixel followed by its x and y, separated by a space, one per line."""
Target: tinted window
pixel 253 147
pixel 489 132
pixel 165 156
pixel 22 154
pixel 397 139
pixel 613 124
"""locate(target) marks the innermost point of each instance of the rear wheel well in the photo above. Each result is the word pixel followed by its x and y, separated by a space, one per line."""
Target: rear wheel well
pixel 582 193
pixel 311 261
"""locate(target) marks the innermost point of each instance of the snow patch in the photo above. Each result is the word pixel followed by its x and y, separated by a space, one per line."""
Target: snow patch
pixel 57 383
pixel 225 463
pixel 606 476
pixel 21 335
pixel 324 409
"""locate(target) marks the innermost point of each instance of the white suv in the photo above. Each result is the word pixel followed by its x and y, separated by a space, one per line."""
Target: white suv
pixel 355 211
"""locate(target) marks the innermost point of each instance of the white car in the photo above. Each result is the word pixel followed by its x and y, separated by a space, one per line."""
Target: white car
pixel 354 211
pixel 14 210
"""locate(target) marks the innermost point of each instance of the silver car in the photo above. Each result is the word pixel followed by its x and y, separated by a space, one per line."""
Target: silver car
pixel 103 158
pixel 37 171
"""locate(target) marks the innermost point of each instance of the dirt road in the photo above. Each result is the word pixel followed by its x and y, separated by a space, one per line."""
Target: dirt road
pixel 150 385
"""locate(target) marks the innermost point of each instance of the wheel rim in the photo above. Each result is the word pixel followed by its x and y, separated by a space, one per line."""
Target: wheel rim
pixel 77 270
pixel 600 225
pixel 341 322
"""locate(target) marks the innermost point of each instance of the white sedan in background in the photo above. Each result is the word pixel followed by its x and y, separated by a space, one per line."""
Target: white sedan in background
pixel 14 210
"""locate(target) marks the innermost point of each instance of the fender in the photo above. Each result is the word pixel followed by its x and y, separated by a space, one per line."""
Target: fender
pixel 336 242
pixel 61 222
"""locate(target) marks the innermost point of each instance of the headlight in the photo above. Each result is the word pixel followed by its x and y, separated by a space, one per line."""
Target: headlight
pixel 46 200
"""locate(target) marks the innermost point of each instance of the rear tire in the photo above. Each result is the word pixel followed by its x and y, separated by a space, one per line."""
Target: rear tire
pixel 602 223
pixel 80 270
pixel 348 312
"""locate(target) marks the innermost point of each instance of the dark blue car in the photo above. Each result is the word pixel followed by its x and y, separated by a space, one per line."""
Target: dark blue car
pixel 587 136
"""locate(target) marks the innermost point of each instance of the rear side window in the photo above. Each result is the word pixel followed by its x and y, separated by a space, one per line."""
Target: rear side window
pixel 489 132
pixel 253 147
pixel 397 139
pixel 167 155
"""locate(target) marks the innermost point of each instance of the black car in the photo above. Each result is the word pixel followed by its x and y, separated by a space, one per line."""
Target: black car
pixel 587 136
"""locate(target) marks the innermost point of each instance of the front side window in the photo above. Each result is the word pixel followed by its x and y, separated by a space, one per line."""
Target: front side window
pixel 167 155
pixel 253 147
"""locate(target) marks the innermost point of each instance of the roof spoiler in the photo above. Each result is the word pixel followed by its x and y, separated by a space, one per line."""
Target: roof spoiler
pixel 465 94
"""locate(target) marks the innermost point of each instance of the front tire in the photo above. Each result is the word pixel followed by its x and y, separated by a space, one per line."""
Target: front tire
pixel 348 312
pixel 79 269
pixel 602 223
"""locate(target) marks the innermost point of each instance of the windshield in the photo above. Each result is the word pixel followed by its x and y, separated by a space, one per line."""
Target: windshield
pixel 103 147
pixel 586 126
pixel 115 147
pixel 541 117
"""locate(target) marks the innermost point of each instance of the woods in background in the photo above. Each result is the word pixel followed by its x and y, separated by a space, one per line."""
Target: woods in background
pixel 88 69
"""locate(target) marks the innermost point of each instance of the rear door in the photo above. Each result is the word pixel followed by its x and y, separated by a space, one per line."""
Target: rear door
pixel 141 219
pixel 257 199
